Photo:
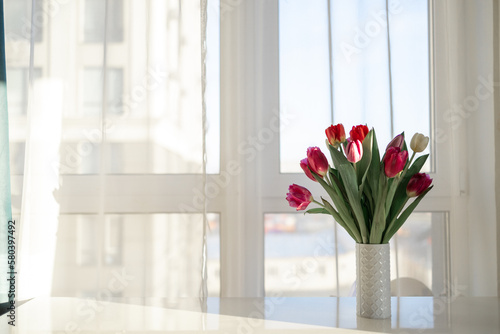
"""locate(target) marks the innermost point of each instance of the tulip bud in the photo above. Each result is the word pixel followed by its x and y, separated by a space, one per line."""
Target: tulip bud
pixel 397 141
pixel 418 184
pixel 354 151
pixel 305 167
pixel 298 197
pixel 317 161
pixel 335 134
pixel 419 142
pixel 394 161
pixel 359 132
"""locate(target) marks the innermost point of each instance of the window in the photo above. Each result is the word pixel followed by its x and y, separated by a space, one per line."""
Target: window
pixel 94 19
pixel 309 44
pixel 151 154
pixel 92 91
pixel 149 246
pixel 268 99
pixel 325 262
pixel 18 21
pixel 18 95
pixel 335 67
pixel 364 88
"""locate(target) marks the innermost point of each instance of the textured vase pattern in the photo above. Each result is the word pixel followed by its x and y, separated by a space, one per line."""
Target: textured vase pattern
pixel 373 281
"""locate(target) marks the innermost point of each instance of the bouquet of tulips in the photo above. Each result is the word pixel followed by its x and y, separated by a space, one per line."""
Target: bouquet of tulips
pixel 368 194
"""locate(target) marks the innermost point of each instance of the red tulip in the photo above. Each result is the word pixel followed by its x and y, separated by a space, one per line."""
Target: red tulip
pixel 394 161
pixel 316 160
pixel 354 150
pixel 305 167
pixel 335 134
pixel 418 184
pixel 359 132
pixel 397 141
pixel 298 197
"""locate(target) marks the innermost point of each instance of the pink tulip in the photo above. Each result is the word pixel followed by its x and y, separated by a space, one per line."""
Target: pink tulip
pixel 394 161
pixel 298 197
pixel 305 167
pixel 316 160
pixel 354 150
pixel 397 141
pixel 335 134
pixel 418 184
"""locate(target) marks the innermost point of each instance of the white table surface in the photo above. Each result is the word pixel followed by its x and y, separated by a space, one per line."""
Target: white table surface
pixel 252 315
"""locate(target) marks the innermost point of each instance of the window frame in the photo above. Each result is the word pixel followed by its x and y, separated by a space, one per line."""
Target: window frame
pixel 249 99
pixel 257 95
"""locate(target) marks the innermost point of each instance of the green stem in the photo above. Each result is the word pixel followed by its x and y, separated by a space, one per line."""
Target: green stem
pixel 408 166
pixel 391 224
pixel 315 201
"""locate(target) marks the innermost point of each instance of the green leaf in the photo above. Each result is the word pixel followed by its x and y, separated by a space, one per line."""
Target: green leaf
pixel 417 165
pixel 396 224
pixel 374 170
pixel 364 164
pixel 343 211
pixel 350 182
pixel 351 187
pixel 393 184
pixel 317 211
pixel 337 182
pixel 400 197
pixel 338 157
pixel 367 192
pixel 339 220
pixel 366 214
pixel 379 219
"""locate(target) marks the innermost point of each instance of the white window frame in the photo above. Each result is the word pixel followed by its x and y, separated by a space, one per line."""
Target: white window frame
pixel 250 87
pixel 250 183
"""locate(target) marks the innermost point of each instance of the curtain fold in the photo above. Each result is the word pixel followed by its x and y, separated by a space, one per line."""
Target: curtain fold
pixel 5 200
pixel 111 120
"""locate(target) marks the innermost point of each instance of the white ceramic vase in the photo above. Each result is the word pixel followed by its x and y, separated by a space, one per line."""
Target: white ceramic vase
pixel 373 281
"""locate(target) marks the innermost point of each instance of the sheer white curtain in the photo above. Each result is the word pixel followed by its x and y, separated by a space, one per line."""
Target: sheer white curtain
pixel 107 124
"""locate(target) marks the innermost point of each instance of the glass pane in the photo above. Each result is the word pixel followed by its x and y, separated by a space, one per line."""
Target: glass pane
pixel 160 129
pixel 92 90
pixel 144 248
pixel 212 93
pixel 153 120
pixel 18 87
pixel 17 91
pixel 360 67
pixel 18 19
pixel 304 79
pixel 422 272
pixel 309 270
pixel 95 17
pixel 410 77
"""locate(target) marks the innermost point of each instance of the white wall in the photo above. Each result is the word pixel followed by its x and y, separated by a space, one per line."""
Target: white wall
pixel 480 132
